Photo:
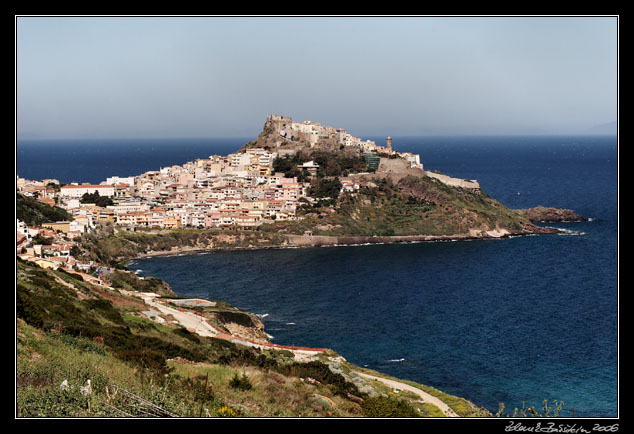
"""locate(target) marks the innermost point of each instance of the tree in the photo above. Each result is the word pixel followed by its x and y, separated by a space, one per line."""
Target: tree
pixel 325 187
pixel 97 199
pixel 33 212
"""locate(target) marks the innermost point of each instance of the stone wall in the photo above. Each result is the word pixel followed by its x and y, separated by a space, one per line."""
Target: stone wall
pixel 454 182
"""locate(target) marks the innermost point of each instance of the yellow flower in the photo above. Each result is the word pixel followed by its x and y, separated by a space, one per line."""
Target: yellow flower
pixel 226 412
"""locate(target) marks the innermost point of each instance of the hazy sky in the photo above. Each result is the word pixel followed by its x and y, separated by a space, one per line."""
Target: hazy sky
pixel 151 77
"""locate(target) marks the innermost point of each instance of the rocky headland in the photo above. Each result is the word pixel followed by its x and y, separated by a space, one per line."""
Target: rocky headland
pixel 551 215
pixel 357 194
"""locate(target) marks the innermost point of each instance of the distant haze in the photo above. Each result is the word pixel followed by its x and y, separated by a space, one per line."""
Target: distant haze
pixel 609 128
pixel 162 77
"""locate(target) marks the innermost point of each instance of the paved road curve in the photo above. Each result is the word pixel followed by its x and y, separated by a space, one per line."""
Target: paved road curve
pixel 187 319
pixel 426 397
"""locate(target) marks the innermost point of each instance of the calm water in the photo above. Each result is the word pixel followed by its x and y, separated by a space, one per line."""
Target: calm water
pixel 94 161
pixel 520 319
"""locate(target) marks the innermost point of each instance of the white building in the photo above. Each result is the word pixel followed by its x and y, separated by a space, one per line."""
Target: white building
pixel 130 180
pixel 240 161
pixel 78 190
pixel 128 207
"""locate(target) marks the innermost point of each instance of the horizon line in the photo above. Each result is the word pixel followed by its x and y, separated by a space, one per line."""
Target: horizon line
pixel 221 137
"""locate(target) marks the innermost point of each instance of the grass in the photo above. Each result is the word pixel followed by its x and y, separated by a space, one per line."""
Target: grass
pixel 143 369
pixel 461 406
pixel 271 394
pixel 44 362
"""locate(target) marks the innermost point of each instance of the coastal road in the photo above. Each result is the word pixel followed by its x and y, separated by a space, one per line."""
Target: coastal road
pixel 191 321
pixel 426 397
pixel 188 320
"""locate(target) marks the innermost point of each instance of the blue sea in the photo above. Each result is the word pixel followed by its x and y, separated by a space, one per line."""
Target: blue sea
pixel 93 161
pixel 523 319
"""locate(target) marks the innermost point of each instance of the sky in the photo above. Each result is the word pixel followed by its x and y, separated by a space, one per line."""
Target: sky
pixel 198 77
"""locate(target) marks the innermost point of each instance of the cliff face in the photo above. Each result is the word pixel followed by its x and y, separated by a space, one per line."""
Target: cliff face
pixel 270 136
pixel 278 135
pixel 241 324
pixel 275 135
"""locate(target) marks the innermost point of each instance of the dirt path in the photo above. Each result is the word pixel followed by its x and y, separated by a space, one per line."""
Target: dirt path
pixel 200 326
pixel 187 319
pixel 426 397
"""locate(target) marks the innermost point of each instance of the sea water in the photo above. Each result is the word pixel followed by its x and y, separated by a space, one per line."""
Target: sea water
pixel 521 319
pixel 93 161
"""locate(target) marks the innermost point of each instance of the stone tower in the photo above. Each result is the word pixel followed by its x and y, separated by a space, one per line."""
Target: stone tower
pixel 389 143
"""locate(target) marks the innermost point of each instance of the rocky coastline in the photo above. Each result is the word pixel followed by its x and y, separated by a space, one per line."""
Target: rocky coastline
pixel 551 215
pixel 309 240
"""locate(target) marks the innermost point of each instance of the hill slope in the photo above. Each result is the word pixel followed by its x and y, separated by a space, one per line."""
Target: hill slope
pixel 88 351
pixel 33 212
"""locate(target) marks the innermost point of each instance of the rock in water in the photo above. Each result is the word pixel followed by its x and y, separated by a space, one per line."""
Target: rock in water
pixel 551 215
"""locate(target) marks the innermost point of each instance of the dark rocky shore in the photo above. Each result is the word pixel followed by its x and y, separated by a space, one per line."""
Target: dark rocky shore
pixel 551 215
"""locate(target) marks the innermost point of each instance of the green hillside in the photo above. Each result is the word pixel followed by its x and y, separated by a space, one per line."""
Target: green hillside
pixel 69 331
pixel 34 212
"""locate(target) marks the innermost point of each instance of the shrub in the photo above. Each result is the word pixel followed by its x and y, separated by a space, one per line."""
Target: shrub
pixel 52 402
pixel 241 383
pixel 244 357
pixel 105 308
pixel 322 373
pixel 146 358
pixel 183 332
pixel 531 411
pixel 26 309
pixel 96 198
pixel 82 344
pixel 325 188
pixel 34 212
pixel 383 406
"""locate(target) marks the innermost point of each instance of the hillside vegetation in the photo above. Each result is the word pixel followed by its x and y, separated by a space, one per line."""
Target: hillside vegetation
pixel 413 206
pixel 34 213
pixel 70 332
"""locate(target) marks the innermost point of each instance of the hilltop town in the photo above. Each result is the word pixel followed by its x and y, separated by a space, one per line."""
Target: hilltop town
pixel 241 189
pixel 310 184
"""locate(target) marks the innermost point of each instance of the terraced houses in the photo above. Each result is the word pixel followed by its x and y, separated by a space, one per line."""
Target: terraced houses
pixel 239 189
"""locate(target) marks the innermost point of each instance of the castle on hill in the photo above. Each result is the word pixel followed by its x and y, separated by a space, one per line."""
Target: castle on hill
pixel 279 129
pixel 314 133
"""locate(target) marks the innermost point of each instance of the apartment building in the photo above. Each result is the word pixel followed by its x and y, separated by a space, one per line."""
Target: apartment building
pixel 78 190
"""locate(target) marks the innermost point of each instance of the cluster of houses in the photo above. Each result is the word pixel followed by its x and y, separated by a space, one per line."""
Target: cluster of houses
pixel 53 254
pixel 240 189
